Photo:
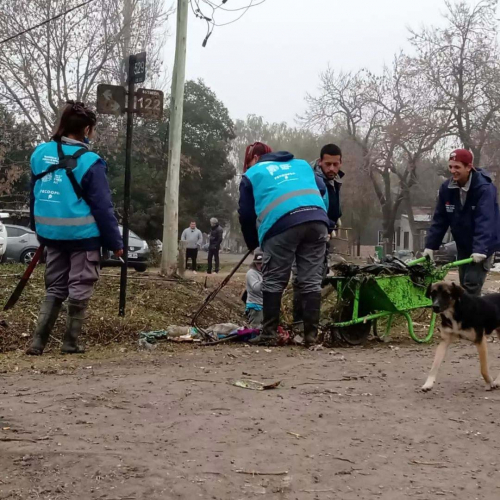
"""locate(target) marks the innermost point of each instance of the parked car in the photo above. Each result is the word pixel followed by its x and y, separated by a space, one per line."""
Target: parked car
pixel 3 240
pixel 138 254
pixel 21 244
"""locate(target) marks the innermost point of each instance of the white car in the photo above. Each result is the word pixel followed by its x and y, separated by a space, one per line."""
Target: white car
pixel 3 239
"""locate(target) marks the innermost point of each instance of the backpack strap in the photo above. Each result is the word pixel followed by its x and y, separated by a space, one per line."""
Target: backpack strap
pixel 67 163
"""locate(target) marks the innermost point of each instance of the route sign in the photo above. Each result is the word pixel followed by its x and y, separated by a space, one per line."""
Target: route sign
pixel 111 99
pixel 137 68
pixel 150 103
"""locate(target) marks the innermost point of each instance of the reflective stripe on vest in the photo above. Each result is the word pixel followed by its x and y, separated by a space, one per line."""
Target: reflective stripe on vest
pixel 56 221
pixel 283 198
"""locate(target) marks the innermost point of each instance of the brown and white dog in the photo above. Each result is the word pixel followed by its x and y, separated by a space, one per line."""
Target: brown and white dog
pixel 464 316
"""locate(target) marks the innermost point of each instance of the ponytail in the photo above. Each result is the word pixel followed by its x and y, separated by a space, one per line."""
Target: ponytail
pixel 75 118
pixel 255 149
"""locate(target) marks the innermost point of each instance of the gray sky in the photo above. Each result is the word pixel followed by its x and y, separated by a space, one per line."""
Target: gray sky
pixel 266 62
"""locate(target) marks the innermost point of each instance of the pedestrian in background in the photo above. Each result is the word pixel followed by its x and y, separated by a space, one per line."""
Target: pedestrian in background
pixel 216 236
pixel 194 239
pixel 73 216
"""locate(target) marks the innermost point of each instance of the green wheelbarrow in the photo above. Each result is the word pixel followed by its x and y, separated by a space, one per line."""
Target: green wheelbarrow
pixel 363 299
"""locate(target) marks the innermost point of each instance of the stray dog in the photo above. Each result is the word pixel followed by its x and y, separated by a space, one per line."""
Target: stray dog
pixel 467 317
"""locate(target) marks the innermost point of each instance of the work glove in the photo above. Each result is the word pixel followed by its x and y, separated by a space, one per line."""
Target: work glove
pixel 478 257
pixel 428 253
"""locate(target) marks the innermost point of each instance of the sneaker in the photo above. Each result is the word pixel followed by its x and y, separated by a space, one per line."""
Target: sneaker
pixel 216 272
pixel 194 272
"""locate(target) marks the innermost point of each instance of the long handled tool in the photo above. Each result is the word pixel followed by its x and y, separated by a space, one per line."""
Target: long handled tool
pixel 211 296
pixel 24 279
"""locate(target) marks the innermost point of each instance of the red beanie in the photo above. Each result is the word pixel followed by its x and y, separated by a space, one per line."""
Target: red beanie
pixel 462 155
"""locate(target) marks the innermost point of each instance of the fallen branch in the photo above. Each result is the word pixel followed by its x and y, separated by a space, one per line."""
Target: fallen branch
pixel 197 380
pixel 6 439
pixel 318 491
pixel 259 473
pixel 18 439
pixel 343 459
pixel 432 464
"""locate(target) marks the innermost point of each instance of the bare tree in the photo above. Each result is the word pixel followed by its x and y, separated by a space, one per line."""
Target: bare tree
pixel 393 119
pixel 413 125
pixel 461 62
pixel 67 58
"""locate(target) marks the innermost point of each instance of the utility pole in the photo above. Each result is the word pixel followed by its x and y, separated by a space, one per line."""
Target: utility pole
pixel 171 209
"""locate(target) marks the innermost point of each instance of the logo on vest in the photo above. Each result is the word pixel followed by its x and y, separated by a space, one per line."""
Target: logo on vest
pixel 51 160
pixel 449 207
pixel 272 169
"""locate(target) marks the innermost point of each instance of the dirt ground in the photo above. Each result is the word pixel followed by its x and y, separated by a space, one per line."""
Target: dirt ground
pixel 350 424
pixel 345 423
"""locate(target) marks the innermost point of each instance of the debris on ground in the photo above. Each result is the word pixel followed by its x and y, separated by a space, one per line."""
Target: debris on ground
pixel 152 304
pixel 254 385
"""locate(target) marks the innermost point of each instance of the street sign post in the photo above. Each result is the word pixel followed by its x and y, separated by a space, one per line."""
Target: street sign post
pixel 116 100
pixel 128 163
pixel 111 99
pixel 137 67
pixel 150 103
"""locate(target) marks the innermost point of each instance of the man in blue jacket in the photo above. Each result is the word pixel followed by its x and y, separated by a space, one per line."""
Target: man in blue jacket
pixel 468 206
pixel 282 210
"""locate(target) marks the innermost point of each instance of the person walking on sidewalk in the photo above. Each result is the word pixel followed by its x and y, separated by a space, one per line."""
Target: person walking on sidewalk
pixel 254 283
pixel 216 235
pixel 194 239
pixel 467 205
pixel 281 209
pixel 72 214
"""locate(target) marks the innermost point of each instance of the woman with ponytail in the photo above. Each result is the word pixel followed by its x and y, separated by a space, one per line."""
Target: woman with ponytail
pixel 72 214
pixel 282 210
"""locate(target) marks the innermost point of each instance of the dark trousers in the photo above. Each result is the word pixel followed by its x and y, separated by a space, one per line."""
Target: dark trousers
pixel 191 253
pixel 306 245
pixel 213 253
pixel 472 276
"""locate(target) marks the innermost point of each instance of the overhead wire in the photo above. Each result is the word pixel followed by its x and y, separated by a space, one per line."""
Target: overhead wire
pixel 43 23
pixel 211 22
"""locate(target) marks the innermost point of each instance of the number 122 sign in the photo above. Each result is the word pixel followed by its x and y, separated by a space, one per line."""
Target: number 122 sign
pixel 150 103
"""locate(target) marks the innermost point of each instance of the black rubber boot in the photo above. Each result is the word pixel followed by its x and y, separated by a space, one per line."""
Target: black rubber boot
pixel 311 304
pixel 272 309
pixel 297 309
pixel 74 324
pixel 49 311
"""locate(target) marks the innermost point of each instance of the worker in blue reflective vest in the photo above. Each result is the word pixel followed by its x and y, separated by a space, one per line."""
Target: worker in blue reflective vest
pixel 281 209
pixel 72 214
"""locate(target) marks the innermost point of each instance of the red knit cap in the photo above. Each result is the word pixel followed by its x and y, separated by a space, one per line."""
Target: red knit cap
pixel 463 155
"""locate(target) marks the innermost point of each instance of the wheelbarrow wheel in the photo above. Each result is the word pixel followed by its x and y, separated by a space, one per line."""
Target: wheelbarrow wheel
pixel 355 334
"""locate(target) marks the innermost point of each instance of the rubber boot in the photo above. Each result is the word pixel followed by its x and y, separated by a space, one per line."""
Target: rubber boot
pixel 311 304
pixel 74 324
pixel 297 309
pixel 272 309
pixel 49 311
